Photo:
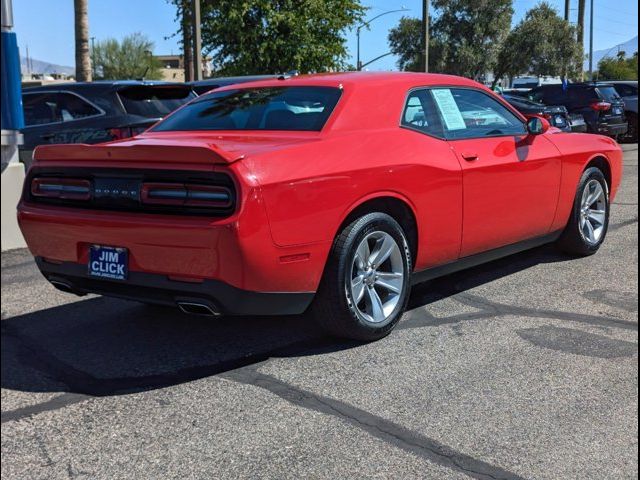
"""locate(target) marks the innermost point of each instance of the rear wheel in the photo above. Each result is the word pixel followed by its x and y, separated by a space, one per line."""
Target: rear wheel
pixel 365 286
pixel 589 221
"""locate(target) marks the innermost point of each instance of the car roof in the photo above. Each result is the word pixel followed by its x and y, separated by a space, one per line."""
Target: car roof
pixel 101 85
pixel 364 79
pixel 229 80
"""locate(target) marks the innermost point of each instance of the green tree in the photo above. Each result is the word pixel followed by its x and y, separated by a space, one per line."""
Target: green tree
pixel 130 59
pixel 471 33
pixel 542 44
pixel 405 42
pixel 275 36
pixel 619 68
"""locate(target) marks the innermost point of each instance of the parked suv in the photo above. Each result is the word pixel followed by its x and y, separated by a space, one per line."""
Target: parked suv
pixel 557 115
pixel 95 112
pixel 598 102
pixel 628 90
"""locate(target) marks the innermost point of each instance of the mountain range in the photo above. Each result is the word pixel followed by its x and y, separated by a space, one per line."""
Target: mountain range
pixel 38 66
pixel 629 47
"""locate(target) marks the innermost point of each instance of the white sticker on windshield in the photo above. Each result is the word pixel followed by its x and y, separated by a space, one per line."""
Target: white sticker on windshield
pixel 449 109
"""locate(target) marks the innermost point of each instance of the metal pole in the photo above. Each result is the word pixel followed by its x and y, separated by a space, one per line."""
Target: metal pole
pixel 567 9
pixel 367 23
pixel 425 33
pixel 358 66
pixel 591 44
pixel 197 42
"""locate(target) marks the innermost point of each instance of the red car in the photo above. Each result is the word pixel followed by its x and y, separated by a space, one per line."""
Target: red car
pixel 335 192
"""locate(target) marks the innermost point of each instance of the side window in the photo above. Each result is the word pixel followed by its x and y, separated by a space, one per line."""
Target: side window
pixel 39 108
pixel 420 113
pixel 626 90
pixel 468 113
pixel 43 108
pixel 72 107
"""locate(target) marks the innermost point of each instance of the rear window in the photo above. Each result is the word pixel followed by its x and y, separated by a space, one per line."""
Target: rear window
pixel 267 108
pixel 609 94
pixel 154 101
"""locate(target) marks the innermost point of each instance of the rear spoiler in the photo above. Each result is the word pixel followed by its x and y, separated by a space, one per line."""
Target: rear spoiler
pixel 139 150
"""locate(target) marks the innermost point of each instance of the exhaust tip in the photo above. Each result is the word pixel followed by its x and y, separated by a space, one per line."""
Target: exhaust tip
pixel 196 308
pixel 64 286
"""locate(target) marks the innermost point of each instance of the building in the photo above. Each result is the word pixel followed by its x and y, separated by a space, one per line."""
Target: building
pixel 173 67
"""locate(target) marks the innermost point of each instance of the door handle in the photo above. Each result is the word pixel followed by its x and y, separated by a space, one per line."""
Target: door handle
pixel 469 156
pixel 47 136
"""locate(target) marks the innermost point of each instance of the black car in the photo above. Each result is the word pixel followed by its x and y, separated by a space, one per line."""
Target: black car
pixel 203 86
pixel 598 102
pixel 95 112
pixel 558 116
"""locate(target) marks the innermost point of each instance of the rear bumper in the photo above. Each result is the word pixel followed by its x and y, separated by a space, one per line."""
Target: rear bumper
pixel 612 129
pixel 219 296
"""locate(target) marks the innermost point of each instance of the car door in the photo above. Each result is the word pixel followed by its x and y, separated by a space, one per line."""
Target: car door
pixel 511 179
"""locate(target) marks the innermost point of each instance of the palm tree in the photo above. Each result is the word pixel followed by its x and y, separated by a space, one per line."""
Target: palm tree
pixel 83 60
pixel 581 10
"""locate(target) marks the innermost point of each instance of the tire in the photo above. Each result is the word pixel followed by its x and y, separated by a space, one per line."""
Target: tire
pixel 589 220
pixel 358 299
pixel 632 134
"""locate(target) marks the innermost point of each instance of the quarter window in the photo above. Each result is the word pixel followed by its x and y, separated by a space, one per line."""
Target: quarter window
pixel 420 114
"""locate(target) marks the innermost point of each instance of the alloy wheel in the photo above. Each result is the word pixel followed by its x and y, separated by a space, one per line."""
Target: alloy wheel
pixel 593 212
pixel 377 277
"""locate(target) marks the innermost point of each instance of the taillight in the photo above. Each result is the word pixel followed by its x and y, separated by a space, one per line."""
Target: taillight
pixel 120 133
pixel 187 195
pixel 125 132
pixel 62 188
pixel 600 106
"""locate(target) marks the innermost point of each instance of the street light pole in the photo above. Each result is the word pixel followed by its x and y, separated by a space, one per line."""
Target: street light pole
pixel 358 66
pixel 425 33
pixel 366 24
pixel 591 44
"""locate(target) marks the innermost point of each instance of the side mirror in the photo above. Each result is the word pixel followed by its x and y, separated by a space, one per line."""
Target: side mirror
pixel 537 125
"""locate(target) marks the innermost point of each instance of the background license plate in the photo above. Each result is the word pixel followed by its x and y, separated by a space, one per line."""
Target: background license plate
pixel 108 262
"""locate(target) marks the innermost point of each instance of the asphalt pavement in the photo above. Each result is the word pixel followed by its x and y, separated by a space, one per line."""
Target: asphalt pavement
pixel 524 368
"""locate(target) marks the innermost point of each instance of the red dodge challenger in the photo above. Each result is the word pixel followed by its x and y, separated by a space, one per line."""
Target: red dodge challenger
pixel 329 192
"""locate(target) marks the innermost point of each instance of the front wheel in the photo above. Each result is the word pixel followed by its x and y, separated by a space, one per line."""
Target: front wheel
pixel 365 286
pixel 589 221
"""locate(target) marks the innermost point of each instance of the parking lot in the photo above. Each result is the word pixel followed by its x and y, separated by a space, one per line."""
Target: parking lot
pixel 522 368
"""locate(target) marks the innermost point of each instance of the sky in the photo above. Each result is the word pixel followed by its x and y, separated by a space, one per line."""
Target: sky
pixel 46 26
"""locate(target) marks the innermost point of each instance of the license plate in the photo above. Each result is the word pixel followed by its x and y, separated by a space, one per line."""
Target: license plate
pixel 617 111
pixel 108 262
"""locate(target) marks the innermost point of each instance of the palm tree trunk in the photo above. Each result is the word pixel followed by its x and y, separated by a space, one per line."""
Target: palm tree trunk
pixel 83 59
pixel 582 7
pixel 187 41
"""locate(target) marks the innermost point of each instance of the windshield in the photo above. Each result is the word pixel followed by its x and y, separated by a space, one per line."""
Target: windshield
pixel 267 108
pixel 154 101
